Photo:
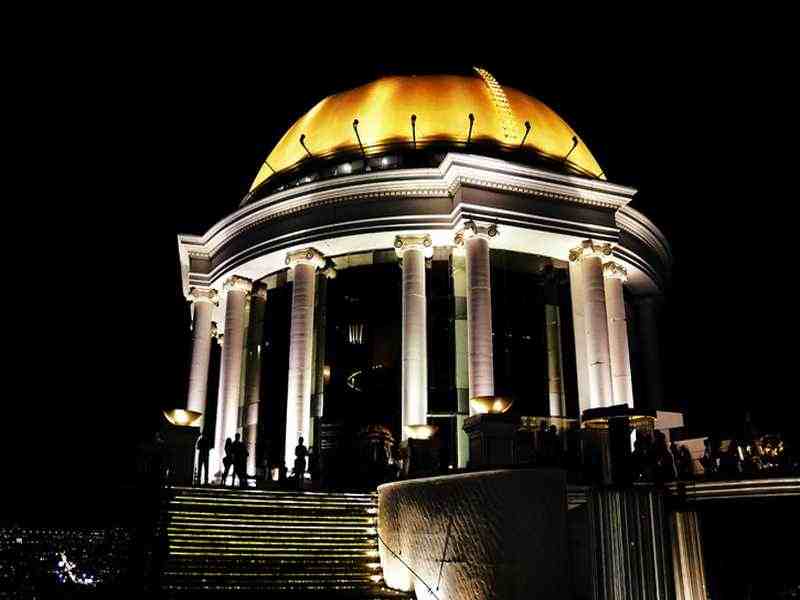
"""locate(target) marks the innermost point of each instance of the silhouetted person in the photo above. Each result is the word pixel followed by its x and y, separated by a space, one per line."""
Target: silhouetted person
pixel 709 460
pixel 664 463
pixel 239 453
pixel 227 461
pixel 300 453
pixel 730 462
pixel 313 465
pixel 673 449
pixel 638 460
pixel 203 448
pixel 557 449
pixel 685 462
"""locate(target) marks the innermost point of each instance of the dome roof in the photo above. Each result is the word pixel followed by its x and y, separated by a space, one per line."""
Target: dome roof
pixel 442 105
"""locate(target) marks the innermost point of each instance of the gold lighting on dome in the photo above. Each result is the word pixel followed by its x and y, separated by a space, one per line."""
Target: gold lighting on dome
pixel 442 105
pixel 482 405
pixel 181 417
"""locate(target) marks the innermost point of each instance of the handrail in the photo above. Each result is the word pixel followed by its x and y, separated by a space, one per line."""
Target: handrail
pixel 413 572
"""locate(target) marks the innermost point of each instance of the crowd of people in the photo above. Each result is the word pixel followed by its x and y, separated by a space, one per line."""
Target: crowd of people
pixel 234 462
pixel 654 458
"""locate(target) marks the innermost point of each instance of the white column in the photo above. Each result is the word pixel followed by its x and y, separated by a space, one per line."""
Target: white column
pixel 621 383
pixel 252 390
pixel 203 301
pixel 461 353
pixel 579 329
pixel 475 239
pixel 413 250
pixel 304 264
pixel 555 377
pixel 590 256
pixel 237 290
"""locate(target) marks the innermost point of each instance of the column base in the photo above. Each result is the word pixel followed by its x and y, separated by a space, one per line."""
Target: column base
pixel 179 453
pixel 491 439
pixel 607 441
pixel 420 457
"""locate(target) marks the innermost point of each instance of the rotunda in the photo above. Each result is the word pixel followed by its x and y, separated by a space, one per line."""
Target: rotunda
pixel 409 246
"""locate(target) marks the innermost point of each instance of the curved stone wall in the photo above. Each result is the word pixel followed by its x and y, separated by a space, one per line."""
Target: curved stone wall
pixel 491 534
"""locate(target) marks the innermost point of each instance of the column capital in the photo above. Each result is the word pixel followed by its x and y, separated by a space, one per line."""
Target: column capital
pixel 220 339
pixel 260 291
pixel 306 256
pixel 613 270
pixel 200 294
pixel 475 229
pixel 589 248
pixel 237 284
pixel 329 271
pixel 413 242
pixel 214 331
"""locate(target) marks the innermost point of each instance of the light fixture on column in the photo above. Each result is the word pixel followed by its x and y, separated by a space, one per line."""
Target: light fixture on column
pixel 481 405
pixel 421 432
pixel 181 417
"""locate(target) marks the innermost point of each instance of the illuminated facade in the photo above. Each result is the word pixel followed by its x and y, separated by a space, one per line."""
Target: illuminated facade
pixel 519 262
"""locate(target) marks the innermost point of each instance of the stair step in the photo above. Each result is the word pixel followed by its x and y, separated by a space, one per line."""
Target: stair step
pixel 280 542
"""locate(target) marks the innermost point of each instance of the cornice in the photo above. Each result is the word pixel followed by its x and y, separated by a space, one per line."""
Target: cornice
pixel 455 172
pixel 635 223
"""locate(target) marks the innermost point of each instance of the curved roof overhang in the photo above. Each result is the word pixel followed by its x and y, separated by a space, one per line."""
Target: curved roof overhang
pixel 538 212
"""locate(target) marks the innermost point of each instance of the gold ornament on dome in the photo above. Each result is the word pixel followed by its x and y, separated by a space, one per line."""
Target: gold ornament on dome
pixel 443 105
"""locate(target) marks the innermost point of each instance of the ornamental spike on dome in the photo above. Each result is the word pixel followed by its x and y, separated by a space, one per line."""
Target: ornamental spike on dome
pixel 374 119
pixel 501 104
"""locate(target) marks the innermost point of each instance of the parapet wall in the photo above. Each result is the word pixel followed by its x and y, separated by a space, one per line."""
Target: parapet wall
pixel 491 534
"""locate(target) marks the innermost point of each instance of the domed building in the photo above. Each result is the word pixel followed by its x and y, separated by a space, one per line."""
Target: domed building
pixel 409 249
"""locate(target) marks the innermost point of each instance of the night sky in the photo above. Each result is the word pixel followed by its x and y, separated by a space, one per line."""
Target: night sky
pixel 123 142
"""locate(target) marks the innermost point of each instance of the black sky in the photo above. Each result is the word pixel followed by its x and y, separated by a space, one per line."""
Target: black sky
pixel 121 140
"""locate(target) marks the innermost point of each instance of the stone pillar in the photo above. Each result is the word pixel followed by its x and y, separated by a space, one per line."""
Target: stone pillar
pixel 475 239
pixel 647 331
pixel 459 273
pixel 552 321
pixel 203 301
pixel 237 290
pixel 304 264
pixel 579 329
pixel 320 325
pixel 413 250
pixel 252 390
pixel 621 382
pixel 590 256
pixel 555 377
pixel 688 562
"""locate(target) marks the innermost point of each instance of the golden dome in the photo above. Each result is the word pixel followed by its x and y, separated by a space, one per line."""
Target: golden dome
pixel 441 104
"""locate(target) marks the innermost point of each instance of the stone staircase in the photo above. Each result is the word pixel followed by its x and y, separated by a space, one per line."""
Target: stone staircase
pixel 284 543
